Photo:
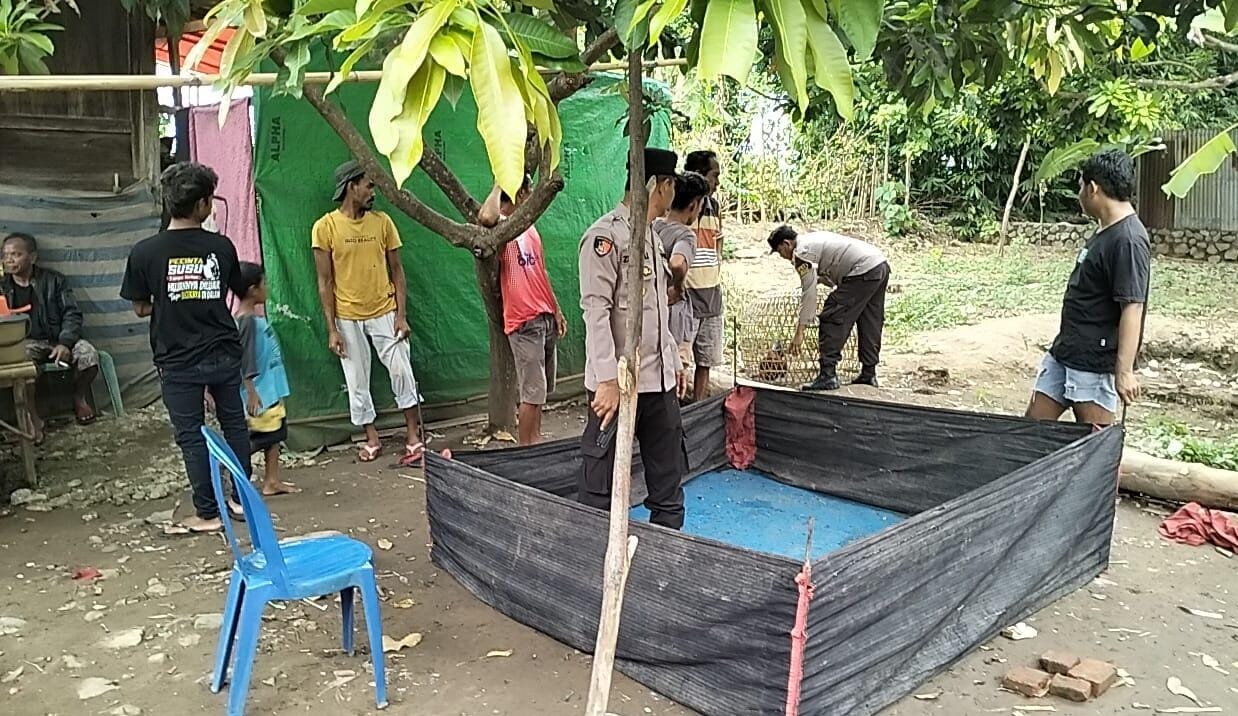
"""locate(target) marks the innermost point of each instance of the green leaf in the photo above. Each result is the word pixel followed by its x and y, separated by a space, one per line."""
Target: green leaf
pixel 417 41
pixel 212 33
pixel 639 15
pixel 498 104
pixel 1140 50
pixel 297 60
pixel 447 53
pixel 423 93
pixel 860 20
pixel 42 42
pixel 398 70
pixel 728 39
pixel 1230 8
pixel 789 22
pixel 255 19
pixel 628 24
pixel 669 10
pixel 1206 160
pixel 322 7
pixel 349 63
pixel 831 69
pixel 366 21
pixel 1059 160
pixel 453 88
pixel 541 37
pixel 236 47
pixel 32 61
pixel 332 22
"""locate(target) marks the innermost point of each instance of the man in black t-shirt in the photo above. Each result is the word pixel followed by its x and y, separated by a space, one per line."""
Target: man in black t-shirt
pixel 1091 365
pixel 180 278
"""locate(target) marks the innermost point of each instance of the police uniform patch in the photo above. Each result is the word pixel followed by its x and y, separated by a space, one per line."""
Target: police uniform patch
pixel 602 246
pixel 648 271
pixel 802 267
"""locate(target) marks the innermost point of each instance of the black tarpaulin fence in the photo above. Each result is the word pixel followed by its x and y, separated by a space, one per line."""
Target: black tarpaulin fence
pixel 1004 516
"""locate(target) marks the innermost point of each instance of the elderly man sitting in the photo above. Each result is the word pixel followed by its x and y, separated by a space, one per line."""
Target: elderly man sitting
pixel 55 321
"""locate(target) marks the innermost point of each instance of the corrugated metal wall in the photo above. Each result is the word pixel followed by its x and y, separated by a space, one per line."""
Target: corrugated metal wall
pixel 1211 204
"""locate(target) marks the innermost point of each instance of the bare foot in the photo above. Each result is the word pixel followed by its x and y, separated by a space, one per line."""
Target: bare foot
pixel 279 487
pixel 193 526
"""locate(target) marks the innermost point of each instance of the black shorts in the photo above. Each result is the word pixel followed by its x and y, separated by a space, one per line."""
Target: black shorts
pixel 259 442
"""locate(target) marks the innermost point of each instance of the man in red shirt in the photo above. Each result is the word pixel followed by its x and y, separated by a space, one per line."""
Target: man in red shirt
pixel 531 316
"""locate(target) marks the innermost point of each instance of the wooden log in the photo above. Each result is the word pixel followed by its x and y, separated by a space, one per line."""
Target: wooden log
pixel 1178 481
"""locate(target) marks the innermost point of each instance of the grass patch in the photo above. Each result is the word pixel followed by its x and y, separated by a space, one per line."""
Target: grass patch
pixel 944 287
pixel 1170 439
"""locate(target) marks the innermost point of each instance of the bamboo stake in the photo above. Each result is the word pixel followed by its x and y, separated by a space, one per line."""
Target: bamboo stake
pixel 619 548
pixel 107 83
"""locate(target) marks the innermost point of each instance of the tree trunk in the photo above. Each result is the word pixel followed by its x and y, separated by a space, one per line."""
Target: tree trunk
pixel 501 404
pixel 1179 481
pixel 907 181
pixel 1014 193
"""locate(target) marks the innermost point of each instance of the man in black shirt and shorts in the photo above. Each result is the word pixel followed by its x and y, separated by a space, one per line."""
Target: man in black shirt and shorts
pixel 1091 365
pixel 180 277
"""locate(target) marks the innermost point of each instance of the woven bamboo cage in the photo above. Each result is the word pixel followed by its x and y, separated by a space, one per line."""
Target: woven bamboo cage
pixel 764 329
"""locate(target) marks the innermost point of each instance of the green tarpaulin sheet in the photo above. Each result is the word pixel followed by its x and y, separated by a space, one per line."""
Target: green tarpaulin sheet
pixel 294 157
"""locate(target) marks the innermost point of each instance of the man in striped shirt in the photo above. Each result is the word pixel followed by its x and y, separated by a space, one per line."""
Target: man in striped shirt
pixel 704 282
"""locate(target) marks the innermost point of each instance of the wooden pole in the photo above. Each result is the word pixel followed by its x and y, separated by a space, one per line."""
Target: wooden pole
pixel 619 548
pixel 109 83
pixel 1014 192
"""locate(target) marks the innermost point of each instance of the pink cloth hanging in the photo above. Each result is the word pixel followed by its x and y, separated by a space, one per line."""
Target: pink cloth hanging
pixel 741 429
pixel 229 151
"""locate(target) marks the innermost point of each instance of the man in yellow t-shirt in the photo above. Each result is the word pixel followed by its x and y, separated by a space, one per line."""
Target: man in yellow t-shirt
pixel 362 288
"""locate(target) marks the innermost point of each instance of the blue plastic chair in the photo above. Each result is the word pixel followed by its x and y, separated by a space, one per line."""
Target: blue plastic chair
pixel 296 568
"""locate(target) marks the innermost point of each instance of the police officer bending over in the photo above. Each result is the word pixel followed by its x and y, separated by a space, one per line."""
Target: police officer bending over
pixel 605 252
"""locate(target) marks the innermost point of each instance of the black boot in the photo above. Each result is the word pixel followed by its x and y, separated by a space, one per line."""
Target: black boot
pixel 867 376
pixel 824 381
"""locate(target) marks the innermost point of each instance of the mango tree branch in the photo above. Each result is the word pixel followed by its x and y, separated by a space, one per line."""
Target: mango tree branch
pixel 448 183
pixel 564 85
pixel 548 185
pixel 455 233
pixel 1212 83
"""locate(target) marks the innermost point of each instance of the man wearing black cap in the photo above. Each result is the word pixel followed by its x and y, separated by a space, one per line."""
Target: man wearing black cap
pixel 363 292
pixel 605 253
pixel 858 272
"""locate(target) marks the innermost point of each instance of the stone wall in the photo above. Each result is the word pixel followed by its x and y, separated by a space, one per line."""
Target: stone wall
pixel 1200 244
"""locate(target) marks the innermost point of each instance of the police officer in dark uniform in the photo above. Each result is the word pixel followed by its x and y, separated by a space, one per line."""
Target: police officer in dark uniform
pixel 605 253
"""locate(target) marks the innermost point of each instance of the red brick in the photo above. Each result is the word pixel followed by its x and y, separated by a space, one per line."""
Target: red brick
pixel 1058 662
pixel 1070 688
pixel 1027 681
pixel 1100 674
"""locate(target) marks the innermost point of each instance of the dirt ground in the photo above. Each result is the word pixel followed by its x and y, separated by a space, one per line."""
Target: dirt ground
pixel 158 599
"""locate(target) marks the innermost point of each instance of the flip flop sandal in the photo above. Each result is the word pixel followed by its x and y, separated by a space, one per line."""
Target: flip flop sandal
pixel 236 513
pixel 86 421
pixel 369 453
pixel 413 455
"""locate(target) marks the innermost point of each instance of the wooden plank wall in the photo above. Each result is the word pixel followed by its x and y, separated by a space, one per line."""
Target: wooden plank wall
pixel 86 140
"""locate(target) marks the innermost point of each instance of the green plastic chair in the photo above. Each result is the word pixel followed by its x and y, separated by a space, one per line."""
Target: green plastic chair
pixel 107 368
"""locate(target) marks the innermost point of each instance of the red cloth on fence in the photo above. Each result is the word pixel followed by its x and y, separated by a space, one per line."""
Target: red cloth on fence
pixel 741 427
pixel 1195 524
